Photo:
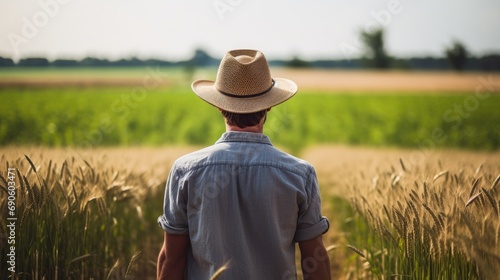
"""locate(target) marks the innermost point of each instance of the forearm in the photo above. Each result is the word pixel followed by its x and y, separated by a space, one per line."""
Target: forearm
pixel 161 269
pixel 171 269
pixel 173 257
pixel 314 259
pixel 315 269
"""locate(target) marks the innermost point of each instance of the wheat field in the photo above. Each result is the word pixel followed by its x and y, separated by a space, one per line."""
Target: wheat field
pixel 417 214
pixel 85 214
pixel 395 214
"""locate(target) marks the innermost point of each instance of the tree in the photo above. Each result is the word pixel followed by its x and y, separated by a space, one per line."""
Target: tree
pixel 65 63
pixel 6 62
pixel 374 43
pixel 457 56
pixel 34 62
pixel 202 58
pixel 296 62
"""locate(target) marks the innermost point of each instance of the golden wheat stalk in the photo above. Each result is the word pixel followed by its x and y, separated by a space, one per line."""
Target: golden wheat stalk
pixel 495 183
pixel 474 186
pixel 220 271
pixel 491 200
pixel 440 174
pixel 356 250
pixel 472 199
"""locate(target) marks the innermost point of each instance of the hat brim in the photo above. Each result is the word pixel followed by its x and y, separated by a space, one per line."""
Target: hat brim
pixel 282 90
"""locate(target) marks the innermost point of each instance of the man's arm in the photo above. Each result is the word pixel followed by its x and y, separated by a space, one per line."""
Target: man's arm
pixel 314 259
pixel 172 258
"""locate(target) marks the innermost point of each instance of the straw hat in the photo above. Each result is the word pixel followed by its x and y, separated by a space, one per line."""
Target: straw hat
pixel 244 84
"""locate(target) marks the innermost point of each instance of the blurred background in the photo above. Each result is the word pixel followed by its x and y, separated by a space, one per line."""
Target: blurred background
pixel 136 51
pixel 401 34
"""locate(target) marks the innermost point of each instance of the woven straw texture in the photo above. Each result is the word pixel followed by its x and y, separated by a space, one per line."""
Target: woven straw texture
pixel 244 84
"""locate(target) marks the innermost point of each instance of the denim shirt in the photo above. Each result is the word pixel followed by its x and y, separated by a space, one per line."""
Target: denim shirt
pixel 243 203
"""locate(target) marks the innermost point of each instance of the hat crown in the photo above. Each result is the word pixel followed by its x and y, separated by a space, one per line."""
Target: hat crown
pixel 244 84
pixel 243 72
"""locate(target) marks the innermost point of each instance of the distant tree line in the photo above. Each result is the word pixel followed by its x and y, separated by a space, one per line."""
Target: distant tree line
pixel 88 62
pixel 455 57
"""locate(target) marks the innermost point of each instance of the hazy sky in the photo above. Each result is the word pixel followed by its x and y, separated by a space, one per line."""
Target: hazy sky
pixel 310 29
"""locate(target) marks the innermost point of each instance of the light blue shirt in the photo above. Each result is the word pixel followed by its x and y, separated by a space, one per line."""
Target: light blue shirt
pixel 242 202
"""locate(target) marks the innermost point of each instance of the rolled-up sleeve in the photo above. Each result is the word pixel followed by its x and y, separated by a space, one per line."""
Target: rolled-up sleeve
pixel 310 222
pixel 174 217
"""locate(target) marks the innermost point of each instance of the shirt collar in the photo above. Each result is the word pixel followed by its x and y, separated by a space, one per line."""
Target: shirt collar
pixel 239 136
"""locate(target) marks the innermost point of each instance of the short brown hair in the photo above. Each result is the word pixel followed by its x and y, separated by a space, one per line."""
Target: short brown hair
pixel 244 120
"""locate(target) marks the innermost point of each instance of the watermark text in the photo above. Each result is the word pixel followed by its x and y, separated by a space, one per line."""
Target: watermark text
pixel 11 220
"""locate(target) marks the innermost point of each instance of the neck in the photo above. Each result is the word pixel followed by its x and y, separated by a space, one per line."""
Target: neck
pixel 258 128
pixel 255 129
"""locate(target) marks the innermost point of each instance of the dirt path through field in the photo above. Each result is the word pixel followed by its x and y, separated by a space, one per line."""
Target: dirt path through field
pixel 307 80
pixel 369 81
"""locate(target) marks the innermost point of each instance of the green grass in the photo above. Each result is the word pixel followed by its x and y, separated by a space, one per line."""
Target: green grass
pixel 104 116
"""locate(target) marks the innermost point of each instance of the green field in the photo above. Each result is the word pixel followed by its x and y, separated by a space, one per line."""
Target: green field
pixel 128 116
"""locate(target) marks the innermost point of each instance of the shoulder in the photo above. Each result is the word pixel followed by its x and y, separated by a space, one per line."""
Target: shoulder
pixel 193 159
pixel 290 163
